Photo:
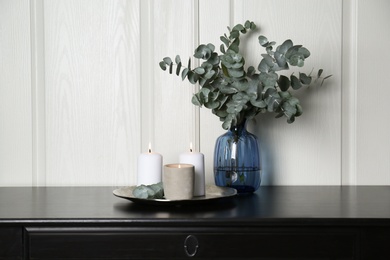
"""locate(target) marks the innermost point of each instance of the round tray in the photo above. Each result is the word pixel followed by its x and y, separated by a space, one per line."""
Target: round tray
pixel 213 193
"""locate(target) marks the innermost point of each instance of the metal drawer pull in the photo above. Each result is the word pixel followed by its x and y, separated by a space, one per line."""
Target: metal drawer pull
pixel 191 245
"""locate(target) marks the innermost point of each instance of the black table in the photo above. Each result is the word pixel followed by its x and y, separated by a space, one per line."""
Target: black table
pixel 283 222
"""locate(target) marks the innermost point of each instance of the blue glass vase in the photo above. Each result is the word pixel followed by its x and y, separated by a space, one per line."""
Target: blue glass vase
pixel 237 160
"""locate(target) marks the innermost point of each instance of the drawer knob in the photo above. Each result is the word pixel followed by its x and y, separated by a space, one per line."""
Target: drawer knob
pixel 191 245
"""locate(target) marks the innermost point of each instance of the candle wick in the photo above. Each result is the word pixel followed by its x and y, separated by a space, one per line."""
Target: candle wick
pixel 150 150
pixel 190 150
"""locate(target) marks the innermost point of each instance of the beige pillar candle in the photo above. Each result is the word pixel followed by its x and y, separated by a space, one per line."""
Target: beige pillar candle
pixel 178 181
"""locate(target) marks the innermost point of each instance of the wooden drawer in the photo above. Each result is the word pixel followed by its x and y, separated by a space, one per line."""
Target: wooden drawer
pixel 174 243
pixel 11 243
pixel 375 243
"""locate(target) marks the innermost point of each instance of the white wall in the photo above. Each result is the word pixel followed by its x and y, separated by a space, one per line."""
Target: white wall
pixel 81 92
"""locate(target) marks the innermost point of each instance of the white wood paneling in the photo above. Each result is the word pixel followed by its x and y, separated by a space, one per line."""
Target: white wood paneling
pixel 174 32
pixel 92 56
pixel 81 92
pixel 15 94
pixel 372 93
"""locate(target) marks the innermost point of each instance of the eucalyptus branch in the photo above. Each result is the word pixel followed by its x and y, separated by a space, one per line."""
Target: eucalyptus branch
pixel 234 93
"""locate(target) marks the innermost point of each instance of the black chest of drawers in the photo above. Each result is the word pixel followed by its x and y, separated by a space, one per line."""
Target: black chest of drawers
pixel 287 222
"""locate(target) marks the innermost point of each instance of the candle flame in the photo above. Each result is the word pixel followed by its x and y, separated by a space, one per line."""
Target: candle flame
pixel 191 147
pixel 150 148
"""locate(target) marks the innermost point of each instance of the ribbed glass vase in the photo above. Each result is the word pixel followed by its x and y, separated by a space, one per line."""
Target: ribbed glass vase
pixel 237 160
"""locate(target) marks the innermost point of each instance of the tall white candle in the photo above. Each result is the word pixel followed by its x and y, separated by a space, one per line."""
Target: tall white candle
pixel 196 159
pixel 149 168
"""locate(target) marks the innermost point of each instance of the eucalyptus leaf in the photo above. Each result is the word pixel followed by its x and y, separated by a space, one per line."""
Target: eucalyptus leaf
pixel 170 68
pixel 167 60
pixel 283 82
pixel 214 59
pixel 287 44
pixel 263 40
pixel 234 45
pixel 211 47
pixel 234 34
pixel 220 113
pixel 209 74
pixel 192 77
pixel 228 90
pixel 304 52
pixel 225 41
pixel 205 91
pixel 202 52
pixel 222 48
pixel 304 78
pixel 163 66
pixel 178 69
pixel 258 103
pixel 212 104
pixel 285 95
pixel 295 82
pixel 292 51
pixel 236 73
pixel 199 70
pixel 196 100
pixel 280 59
pixel 279 115
pixel 154 191
pixel 184 73
pixel 269 60
pixel 268 79
pixel 237 65
pixel 203 81
pixel 251 71
pixel 263 66
pixel 177 59
pixel 239 27
pixel 299 110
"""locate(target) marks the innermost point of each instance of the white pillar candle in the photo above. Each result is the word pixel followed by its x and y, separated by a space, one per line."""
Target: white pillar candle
pixel 149 168
pixel 196 159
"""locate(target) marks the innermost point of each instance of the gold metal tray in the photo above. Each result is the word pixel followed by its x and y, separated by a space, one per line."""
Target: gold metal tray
pixel 213 193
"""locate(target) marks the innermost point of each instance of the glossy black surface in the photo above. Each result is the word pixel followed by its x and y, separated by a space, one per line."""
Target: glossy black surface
pixel 268 203
pixel 273 223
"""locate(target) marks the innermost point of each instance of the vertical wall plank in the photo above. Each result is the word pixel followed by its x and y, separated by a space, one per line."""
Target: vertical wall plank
pixel 15 94
pixel 174 31
pixel 349 93
pixel 373 121
pixel 147 81
pixel 38 93
pixel 211 27
pixel 92 92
